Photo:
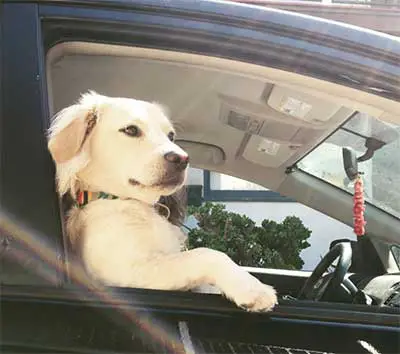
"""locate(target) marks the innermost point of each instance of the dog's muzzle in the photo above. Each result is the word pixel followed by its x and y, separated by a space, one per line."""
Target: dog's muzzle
pixel 176 161
pixel 174 172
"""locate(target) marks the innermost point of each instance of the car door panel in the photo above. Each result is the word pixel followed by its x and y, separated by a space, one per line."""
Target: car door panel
pixel 134 320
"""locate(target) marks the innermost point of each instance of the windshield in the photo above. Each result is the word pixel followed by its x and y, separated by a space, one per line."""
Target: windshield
pixel 381 172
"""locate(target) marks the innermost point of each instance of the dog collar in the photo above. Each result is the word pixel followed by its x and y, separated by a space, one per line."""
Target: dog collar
pixel 84 197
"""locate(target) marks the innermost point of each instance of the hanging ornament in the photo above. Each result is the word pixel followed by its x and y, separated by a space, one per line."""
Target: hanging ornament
pixel 359 207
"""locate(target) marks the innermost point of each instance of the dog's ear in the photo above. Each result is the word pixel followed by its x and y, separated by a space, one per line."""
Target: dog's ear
pixel 176 204
pixel 69 132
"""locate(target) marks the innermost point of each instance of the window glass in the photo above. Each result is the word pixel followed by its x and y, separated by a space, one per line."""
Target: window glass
pixel 396 254
pixel 381 170
pixel 263 234
pixel 24 257
pixel 220 181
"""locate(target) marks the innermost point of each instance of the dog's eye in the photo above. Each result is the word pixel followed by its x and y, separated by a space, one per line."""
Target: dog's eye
pixel 171 136
pixel 131 130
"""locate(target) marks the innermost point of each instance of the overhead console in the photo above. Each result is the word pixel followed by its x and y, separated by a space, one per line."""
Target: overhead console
pixel 302 108
pixel 283 123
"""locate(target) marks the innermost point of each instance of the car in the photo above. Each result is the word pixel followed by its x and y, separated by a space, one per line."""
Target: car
pixel 297 104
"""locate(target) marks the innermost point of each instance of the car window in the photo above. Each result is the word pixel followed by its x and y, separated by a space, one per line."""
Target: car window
pixel 381 170
pixel 255 229
pixel 396 253
pixel 24 258
pixel 254 225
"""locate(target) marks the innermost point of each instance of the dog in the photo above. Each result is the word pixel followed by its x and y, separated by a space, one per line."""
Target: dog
pixel 121 152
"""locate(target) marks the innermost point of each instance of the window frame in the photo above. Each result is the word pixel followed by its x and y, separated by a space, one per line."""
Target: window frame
pixel 33 201
pixel 227 195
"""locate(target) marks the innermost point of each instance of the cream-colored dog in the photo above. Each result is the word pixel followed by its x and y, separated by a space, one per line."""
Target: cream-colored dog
pixel 125 148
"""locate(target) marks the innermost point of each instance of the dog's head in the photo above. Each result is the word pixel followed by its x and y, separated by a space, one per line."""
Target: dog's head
pixel 119 146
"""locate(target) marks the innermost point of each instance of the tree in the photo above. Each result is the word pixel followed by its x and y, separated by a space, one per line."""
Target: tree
pixel 271 245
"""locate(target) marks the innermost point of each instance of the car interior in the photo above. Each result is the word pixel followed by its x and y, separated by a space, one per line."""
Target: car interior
pixel 251 122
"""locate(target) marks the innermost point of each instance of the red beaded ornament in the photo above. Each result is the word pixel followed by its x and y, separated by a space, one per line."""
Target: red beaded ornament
pixel 359 207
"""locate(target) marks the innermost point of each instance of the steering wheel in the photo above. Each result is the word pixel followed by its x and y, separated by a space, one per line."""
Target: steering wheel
pixel 316 285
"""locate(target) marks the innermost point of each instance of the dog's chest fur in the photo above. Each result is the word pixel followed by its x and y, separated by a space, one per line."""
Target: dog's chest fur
pixel 116 235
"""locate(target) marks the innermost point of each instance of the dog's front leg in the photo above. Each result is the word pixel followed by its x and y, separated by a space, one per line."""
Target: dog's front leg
pixel 190 269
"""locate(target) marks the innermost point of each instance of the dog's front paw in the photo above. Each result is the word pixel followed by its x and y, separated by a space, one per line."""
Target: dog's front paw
pixel 259 298
pixel 252 295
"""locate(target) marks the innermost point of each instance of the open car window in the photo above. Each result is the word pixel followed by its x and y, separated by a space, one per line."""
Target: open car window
pixel 257 227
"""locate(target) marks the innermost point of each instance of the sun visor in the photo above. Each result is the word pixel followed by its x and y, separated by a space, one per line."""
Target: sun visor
pixel 203 154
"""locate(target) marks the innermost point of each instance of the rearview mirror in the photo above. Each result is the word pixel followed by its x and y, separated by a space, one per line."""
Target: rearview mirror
pixel 350 163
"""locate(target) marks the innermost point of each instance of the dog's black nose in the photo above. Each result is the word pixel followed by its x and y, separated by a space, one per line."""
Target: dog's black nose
pixel 180 161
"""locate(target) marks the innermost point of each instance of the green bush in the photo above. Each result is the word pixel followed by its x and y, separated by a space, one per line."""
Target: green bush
pixel 271 245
